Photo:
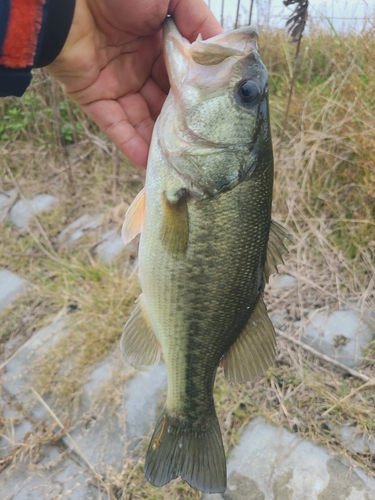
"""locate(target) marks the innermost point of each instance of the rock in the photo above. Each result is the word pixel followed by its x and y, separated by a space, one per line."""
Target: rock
pixel 17 379
pixel 6 201
pixel 5 197
pixel 342 335
pixel 101 435
pixel 143 394
pixel 23 211
pixel 278 319
pixel 271 463
pixel 279 281
pixel 102 440
pixel 357 442
pixel 245 488
pixel 14 428
pixel 104 435
pixel 74 231
pixel 54 476
pixel 110 246
pixel 11 287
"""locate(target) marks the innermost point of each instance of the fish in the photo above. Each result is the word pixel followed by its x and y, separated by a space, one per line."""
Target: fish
pixel 207 247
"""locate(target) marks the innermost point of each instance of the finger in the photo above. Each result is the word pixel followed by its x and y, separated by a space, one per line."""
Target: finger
pixel 111 118
pixel 193 17
pixel 138 115
pixel 154 97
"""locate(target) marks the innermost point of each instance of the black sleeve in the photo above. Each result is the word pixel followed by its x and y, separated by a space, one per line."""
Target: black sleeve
pixel 57 20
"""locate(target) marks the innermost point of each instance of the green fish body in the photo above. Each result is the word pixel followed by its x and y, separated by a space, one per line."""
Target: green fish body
pixel 207 246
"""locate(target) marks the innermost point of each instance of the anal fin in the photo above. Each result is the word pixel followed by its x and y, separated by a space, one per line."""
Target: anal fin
pixel 139 343
pixel 254 350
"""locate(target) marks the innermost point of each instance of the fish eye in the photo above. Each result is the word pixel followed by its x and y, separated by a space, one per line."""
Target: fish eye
pixel 247 92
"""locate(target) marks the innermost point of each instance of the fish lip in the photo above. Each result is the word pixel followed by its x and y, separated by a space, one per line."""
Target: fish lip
pixel 183 58
pixel 242 40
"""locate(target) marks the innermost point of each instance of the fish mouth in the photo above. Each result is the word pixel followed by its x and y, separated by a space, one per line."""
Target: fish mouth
pixel 192 60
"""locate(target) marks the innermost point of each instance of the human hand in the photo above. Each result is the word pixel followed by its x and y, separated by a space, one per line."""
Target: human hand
pixel 112 64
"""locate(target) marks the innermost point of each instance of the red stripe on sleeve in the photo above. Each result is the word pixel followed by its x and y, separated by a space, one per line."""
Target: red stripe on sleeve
pixel 22 33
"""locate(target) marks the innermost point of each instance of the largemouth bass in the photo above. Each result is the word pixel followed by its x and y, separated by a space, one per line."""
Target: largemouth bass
pixel 207 247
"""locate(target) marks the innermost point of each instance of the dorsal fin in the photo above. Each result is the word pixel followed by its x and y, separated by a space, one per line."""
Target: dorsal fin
pixel 275 249
pixel 254 350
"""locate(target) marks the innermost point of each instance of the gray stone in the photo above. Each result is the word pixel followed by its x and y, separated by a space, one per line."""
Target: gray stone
pixel 13 434
pixel 23 211
pixel 244 488
pixel 143 394
pixel 100 376
pixel 104 435
pixel 14 428
pixel 101 433
pixel 343 487
pixel 279 281
pixel 11 287
pixel 110 247
pixel 101 439
pixel 281 466
pixel 278 319
pixel 6 196
pixel 78 228
pixel 342 335
pixel 6 201
pixel 17 379
pixel 54 476
pixel 357 442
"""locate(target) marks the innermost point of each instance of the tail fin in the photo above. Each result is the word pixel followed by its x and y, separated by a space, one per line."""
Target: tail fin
pixel 192 450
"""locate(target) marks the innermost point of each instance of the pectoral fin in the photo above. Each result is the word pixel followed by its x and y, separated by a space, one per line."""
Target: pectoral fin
pixel 175 225
pixel 139 343
pixel 276 249
pixel 134 217
pixel 254 350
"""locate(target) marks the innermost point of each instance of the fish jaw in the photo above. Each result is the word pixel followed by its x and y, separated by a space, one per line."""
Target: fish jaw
pixel 184 59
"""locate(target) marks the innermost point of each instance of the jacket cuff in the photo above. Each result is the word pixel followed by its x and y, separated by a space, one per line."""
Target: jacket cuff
pixel 14 81
pixel 57 20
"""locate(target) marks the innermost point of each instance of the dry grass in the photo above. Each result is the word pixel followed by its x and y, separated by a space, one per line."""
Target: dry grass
pixel 324 192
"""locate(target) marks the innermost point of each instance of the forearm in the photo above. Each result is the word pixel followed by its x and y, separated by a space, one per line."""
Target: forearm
pixel 32 34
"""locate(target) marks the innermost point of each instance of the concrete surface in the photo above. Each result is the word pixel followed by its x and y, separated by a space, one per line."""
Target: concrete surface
pixel 342 335
pixel 23 210
pixel 11 287
pixel 17 379
pixel 273 464
pixel 54 476
pixel 110 246
pixel 78 228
